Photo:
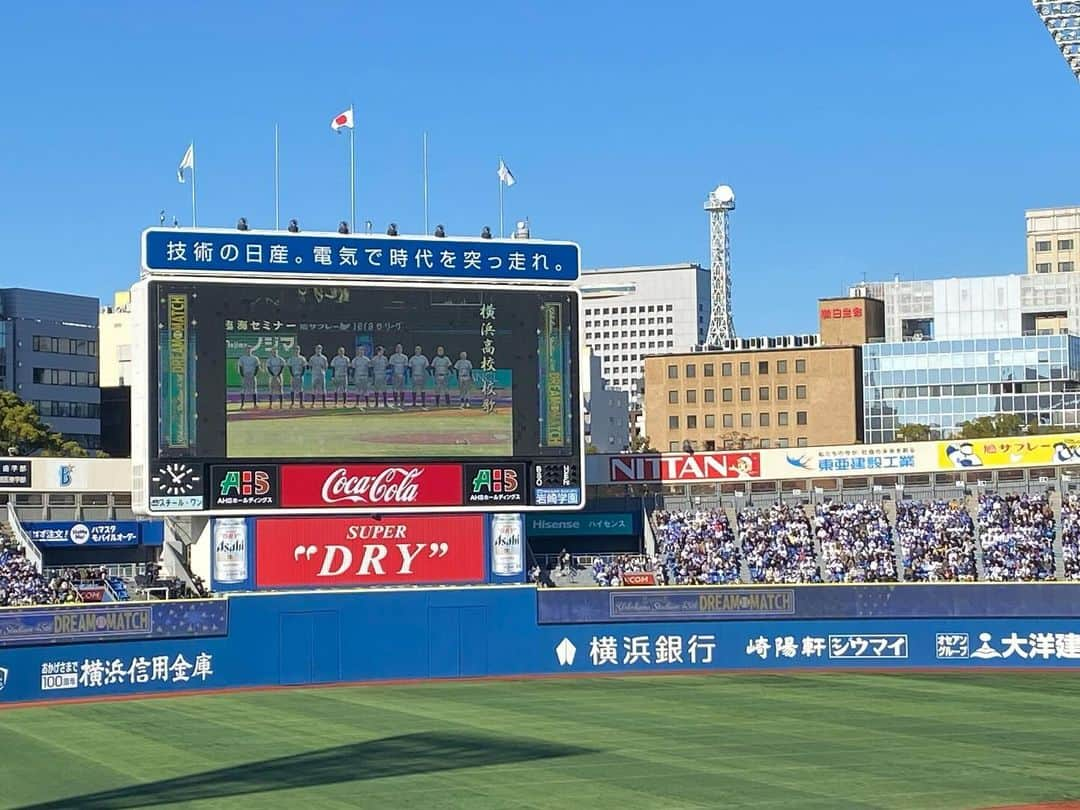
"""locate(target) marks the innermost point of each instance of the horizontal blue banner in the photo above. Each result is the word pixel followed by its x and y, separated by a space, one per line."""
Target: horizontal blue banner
pixel 582 524
pixel 55 625
pixel 365 255
pixel 114 533
pixel 903 601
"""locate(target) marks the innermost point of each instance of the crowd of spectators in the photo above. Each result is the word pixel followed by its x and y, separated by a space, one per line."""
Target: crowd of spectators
pixel 609 573
pixel 1070 535
pixel 856 542
pixel 1016 532
pixel 21 584
pixel 697 548
pixel 778 544
pixel 937 541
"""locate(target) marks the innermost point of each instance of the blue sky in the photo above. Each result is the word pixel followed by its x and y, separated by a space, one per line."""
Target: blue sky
pixel 872 139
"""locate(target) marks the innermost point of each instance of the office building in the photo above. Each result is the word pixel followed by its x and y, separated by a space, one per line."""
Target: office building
pixel 1053 240
pixel 115 341
pixel 607 411
pixel 49 357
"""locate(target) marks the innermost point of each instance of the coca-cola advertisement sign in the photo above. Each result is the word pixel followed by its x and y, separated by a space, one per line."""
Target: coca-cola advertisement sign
pixel 348 552
pixel 370 486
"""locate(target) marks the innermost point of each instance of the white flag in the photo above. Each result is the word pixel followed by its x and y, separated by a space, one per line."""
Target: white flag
pixel 505 176
pixel 187 163
pixel 343 121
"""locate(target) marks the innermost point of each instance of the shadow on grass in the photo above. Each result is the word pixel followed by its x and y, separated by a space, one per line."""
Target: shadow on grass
pixel 375 759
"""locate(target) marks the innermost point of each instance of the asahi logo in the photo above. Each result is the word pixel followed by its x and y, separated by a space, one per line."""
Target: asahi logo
pixel 394 485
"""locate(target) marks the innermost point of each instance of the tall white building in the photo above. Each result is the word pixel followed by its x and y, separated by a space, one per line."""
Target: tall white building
pixel 607 411
pixel 632 312
pixel 114 338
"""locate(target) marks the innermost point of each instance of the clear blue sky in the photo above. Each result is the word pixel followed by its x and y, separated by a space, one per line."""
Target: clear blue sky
pixel 895 138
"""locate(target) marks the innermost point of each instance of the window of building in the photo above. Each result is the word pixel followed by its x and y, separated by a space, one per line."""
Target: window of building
pixel 1041 246
pixel 800 392
pixel 746 419
pixel 708 369
pixel 673 397
pixel 728 394
pixel 710 395
pixel 725 369
pixel 781 366
pixel 764 444
pixel 1065 244
pixel 62 345
pixel 763 393
pixel 800 366
pixel 673 422
pixel 763 420
pixel 729 420
pixel 691 397
pixel 763 367
pixel 744 394
pixel 710 420
pixel 691 370
pixel 800 417
pixel 63 376
pixel 76 410
pixel 674 447
pixel 1065 267
pixel 781 442
pixel 744 368
pixel 667 308
pixel 691 422
pixel 801 441
pixel 781 392
pixel 781 418
pixel 673 372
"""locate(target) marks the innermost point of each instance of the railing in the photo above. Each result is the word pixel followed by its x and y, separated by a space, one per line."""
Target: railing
pixel 29 549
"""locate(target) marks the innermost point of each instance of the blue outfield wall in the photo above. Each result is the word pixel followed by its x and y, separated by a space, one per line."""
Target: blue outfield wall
pixel 327 637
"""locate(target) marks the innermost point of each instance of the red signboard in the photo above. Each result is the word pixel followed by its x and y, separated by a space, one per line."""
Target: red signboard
pixel 323 552
pixel 685 467
pixel 370 486
pixel 840 313
pixel 638 578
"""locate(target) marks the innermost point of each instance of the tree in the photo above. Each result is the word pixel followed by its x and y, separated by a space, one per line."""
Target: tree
pixel 913 432
pixel 641 444
pixel 22 430
pixel 992 427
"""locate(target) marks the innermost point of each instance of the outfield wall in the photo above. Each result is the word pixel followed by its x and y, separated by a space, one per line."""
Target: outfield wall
pixel 329 637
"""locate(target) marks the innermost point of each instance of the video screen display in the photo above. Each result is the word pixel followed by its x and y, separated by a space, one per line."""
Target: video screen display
pixel 274 371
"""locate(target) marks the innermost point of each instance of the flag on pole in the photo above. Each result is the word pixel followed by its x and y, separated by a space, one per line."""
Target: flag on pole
pixel 188 162
pixel 342 121
pixel 505 176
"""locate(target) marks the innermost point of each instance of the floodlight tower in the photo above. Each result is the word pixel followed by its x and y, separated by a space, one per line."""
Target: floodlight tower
pixel 720 201
pixel 1062 20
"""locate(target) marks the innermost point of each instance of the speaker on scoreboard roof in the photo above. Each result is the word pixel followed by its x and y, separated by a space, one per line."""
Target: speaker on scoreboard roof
pixel 343 227
pixel 294 226
pixel 440 232
pixel 486 233
pixel 392 230
pixel 241 224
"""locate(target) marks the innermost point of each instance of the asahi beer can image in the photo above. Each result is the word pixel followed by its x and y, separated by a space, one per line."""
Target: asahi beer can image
pixel 230 550
pixel 506 545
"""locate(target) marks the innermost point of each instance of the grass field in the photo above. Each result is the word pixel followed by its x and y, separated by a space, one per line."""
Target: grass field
pixel 376 432
pixel 791 741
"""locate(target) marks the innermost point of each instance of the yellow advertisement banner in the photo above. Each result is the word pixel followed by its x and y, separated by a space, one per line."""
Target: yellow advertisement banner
pixel 1015 451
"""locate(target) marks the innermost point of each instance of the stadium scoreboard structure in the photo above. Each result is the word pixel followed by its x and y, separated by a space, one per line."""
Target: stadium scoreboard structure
pixel 314 373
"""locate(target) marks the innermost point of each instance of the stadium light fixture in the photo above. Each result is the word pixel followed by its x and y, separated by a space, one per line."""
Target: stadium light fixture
pixel 1062 21
pixel 294 226
pixel 392 230
pixel 241 224
pixel 440 231
pixel 343 227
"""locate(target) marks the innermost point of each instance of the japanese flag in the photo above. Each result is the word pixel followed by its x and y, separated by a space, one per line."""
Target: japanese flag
pixel 343 121
pixel 505 176
pixel 188 162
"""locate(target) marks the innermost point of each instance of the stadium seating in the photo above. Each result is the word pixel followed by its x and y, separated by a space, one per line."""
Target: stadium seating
pixel 937 541
pixel 856 542
pixel 778 544
pixel 697 548
pixel 1070 535
pixel 1016 532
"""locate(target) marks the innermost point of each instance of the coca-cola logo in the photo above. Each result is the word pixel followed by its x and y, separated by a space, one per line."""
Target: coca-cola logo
pixel 393 485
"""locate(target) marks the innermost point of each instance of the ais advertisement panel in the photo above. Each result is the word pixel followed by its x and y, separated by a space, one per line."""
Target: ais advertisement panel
pixel 272 398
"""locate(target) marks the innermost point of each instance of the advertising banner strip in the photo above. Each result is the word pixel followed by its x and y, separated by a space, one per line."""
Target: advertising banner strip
pixel 58 625
pixel 113 533
pixel 359 255
pixel 553 372
pixel 940 600
pixel 347 552
pixel 176 406
pixel 371 485
pixel 582 524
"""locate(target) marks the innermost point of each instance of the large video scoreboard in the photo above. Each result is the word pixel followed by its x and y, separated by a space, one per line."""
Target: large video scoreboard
pixel 331 381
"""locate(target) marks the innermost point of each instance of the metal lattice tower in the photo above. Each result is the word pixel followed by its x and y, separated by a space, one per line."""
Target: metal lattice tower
pixel 721 327
pixel 1062 20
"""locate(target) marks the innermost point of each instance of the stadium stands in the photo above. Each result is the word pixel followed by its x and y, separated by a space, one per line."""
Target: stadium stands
pixel 937 540
pixel 1016 532
pixel 1070 535
pixel 697 548
pixel 778 544
pixel 856 542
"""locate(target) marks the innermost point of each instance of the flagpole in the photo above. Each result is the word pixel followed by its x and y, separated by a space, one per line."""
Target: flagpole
pixel 194 220
pixel 277 184
pixel 425 186
pixel 502 230
pixel 352 174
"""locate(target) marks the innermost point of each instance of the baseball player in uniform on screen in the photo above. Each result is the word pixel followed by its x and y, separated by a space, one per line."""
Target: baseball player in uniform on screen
pixel 341 364
pixel 464 377
pixel 248 366
pixel 361 365
pixel 418 370
pixel 275 367
pixel 378 375
pixel 399 361
pixel 297 366
pixel 318 365
pixel 440 368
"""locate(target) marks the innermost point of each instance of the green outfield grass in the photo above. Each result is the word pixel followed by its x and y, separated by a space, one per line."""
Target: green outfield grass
pixel 783 741
pixel 376 432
